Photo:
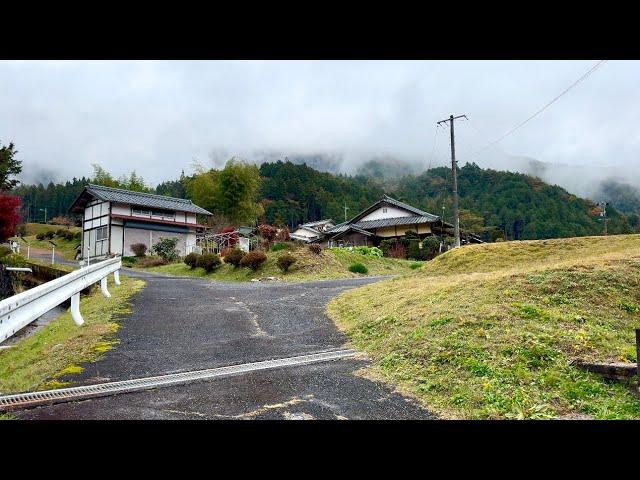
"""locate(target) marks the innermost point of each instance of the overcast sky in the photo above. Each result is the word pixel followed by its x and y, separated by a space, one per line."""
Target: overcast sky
pixel 158 116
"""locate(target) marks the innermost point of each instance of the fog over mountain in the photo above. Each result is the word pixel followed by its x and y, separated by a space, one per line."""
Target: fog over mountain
pixel 160 117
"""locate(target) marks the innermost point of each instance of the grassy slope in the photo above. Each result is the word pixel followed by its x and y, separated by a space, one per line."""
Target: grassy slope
pixel 330 264
pixel 65 248
pixel 489 331
pixel 35 362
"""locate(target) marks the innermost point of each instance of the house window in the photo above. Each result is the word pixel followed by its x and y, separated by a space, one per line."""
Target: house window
pixel 102 233
pixel 163 214
pixel 140 212
pixel 384 210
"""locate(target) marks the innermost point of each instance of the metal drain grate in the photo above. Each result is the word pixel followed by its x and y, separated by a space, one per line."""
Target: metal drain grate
pixel 30 399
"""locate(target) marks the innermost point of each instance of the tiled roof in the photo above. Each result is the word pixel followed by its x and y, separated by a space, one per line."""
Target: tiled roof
pixel 390 222
pixel 110 194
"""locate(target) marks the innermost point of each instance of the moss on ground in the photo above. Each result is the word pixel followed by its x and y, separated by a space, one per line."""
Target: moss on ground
pixel 490 331
pixel 36 362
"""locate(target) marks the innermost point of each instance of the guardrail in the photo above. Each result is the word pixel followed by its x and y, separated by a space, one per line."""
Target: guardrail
pixel 20 310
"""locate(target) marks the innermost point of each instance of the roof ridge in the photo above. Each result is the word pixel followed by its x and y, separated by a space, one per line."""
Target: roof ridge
pixel 155 195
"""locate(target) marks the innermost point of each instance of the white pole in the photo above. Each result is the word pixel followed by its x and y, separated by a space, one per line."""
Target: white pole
pixel 103 287
pixel 53 255
pixel 75 309
pixel 28 250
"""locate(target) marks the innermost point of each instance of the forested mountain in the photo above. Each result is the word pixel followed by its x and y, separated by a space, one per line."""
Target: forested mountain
pixel 494 203
pixel 293 194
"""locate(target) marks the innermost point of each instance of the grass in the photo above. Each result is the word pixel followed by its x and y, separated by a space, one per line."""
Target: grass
pixel 39 361
pixel 330 264
pixel 65 248
pixel 490 331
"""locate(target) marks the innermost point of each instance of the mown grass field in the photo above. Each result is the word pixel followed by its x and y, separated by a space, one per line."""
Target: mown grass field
pixel 309 266
pixel 65 248
pixel 490 331
pixel 37 362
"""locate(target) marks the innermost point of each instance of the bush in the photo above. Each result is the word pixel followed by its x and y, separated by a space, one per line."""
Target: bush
pixel 62 232
pixel 139 249
pixel 40 236
pixel 279 246
pixel 285 261
pixel 49 234
pixel 147 262
pixel 166 248
pixel 208 261
pixel 358 268
pixel 22 230
pixel 234 256
pixel 69 235
pixel 415 266
pixel 315 248
pixel 4 251
pixel 192 260
pixel 369 251
pixel 61 220
pixel 283 235
pixel 398 250
pixel 225 251
pixel 253 260
pixel 268 232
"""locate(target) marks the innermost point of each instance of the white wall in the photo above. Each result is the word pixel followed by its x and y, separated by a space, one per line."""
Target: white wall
pixel 121 209
pixel 305 233
pixel 392 212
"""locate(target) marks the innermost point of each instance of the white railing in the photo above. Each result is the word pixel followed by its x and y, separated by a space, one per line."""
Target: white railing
pixel 20 310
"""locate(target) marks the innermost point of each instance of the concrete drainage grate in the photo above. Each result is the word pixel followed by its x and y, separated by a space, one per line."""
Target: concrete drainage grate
pixel 30 399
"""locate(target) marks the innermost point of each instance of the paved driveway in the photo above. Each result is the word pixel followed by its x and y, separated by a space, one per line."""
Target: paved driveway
pixel 181 324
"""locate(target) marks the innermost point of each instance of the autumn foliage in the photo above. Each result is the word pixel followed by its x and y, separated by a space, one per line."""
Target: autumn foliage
pixel 9 215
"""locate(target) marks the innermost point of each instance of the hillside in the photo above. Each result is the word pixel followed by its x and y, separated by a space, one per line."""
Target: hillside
pixel 332 263
pixel 490 331
pixel 494 203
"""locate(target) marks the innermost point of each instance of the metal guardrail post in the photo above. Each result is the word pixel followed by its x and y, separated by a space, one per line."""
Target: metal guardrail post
pixel 75 309
pixel 116 277
pixel 103 287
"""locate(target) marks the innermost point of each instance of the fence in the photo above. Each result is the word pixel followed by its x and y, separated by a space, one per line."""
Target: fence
pixel 20 310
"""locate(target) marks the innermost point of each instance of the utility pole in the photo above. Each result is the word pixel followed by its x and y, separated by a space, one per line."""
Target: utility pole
pixel 604 215
pixel 345 211
pixel 454 179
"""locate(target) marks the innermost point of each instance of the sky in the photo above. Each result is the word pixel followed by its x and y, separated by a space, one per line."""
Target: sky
pixel 158 117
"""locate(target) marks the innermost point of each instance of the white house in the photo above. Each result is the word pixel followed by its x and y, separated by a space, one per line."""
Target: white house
pixel 312 231
pixel 114 219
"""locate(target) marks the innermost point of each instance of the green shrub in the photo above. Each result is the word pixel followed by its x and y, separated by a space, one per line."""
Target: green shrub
pixel 22 230
pixel 279 246
pixel 192 260
pixel 40 236
pixel 415 265
pixel 166 248
pixel 139 249
pixel 49 234
pixel 208 261
pixel 253 260
pixel 61 232
pixel 69 235
pixel 129 260
pixel 285 261
pixel 234 256
pixel 315 248
pixel 13 260
pixel 358 268
pixel 4 251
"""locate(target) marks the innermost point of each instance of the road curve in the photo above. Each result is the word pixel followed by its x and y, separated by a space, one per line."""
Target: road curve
pixel 182 324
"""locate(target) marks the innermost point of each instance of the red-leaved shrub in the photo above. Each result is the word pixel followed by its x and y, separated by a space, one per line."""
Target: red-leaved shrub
pixel 233 239
pixel 253 260
pixel 283 235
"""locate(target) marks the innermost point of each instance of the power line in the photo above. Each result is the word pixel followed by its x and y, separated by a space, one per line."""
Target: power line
pixel 584 76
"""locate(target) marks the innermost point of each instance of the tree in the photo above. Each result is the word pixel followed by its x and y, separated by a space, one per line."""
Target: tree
pixel 9 215
pixel 202 188
pixel 102 177
pixel 237 193
pixel 9 166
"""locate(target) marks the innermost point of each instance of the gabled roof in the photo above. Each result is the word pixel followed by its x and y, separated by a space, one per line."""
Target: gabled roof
pixel 397 203
pixel 348 228
pixel 317 223
pixel 139 199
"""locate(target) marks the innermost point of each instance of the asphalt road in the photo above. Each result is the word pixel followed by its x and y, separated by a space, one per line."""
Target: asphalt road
pixel 181 324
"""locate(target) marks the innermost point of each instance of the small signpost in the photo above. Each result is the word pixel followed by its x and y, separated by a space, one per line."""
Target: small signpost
pixel 53 252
